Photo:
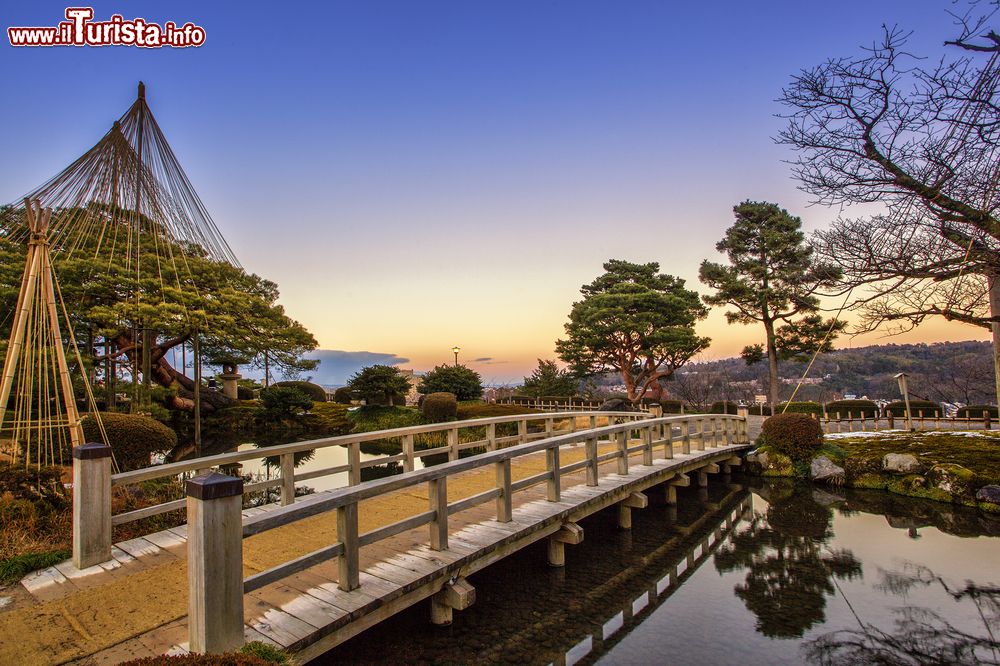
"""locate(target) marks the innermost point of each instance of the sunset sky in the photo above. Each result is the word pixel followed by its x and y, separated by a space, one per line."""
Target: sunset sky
pixel 418 175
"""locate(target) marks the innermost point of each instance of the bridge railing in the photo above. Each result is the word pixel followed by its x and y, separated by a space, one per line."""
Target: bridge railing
pixel 216 528
pixel 93 521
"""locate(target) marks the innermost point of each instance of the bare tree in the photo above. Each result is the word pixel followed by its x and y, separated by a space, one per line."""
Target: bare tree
pixel 921 140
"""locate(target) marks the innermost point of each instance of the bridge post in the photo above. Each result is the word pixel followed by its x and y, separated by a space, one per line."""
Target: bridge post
pixel 505 507
pixel 550 426
pixel 287 478
pixel 91 505
pixel 354 460
pixel 348 564
pixel 491 436
pixel 591 461
pixel 552 487
pixel 622 439
pixel 215 563
pixel 686 437
pixel 522 431
pixel 633 501
pixel 647 445
pixel 701 433
pixel 438 493
pixel 408 461
pixel 667 435
pixel 452 444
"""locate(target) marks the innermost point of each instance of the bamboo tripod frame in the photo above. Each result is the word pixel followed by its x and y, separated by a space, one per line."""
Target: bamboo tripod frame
pixel 37 283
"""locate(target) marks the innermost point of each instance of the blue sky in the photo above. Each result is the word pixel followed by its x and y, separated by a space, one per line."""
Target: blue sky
pixel 416 175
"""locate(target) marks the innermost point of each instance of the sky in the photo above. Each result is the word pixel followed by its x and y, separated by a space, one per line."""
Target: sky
pixel 420 175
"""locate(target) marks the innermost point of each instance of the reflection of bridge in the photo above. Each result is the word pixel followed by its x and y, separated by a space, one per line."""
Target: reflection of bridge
pixel 326 566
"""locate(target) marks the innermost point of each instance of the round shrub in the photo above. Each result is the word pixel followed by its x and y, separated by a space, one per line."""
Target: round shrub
pixel 132 437
pixel 976 411
pixel 930 409
pixel 798 436
pixel 464 382
pixel 343 396
pixel 852 409
pixel 439 407
pixel 800 408
pixel 671 406
pixel 281 401
pixel 723 407
pixel 315 392
pixel 244 393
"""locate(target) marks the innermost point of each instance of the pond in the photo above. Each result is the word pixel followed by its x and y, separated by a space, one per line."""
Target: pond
pixel 773 573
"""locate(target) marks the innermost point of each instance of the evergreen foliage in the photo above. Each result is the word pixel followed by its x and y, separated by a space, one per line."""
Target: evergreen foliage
pixel 548 380
pixel 380 385
pixel 464 382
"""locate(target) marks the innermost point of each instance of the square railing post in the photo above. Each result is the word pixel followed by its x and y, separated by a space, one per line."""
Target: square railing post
pixel 591 447
pixel 287 478
pixel 452 444
pixel 215 563
pixel 91 505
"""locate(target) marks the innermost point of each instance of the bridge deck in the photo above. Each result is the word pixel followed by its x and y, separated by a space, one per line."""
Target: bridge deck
pixel 308 614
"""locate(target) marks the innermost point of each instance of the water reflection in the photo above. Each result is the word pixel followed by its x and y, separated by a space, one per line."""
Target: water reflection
pixel 789 565
pixel 920 635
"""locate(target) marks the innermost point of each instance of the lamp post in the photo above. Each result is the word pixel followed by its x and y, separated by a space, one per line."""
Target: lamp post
pixel 455 350
pixel 901 378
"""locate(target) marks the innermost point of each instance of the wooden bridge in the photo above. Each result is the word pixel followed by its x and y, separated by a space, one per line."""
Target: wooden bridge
pixel 457 518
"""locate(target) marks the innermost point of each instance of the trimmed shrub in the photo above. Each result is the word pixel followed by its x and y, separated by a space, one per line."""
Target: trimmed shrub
pixel 281 401
pixel 800 408
pixel 316 392
pixel 930 409
pixel 852 409
pixel 244 393
pixel 722 407
pixel 343 396
pixel 976 411
pixel 481 410
pixel 798 436
pixel 228 659
pixel 132 437
pixel 439 407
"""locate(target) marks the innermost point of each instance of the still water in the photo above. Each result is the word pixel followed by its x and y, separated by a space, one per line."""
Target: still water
pixel 777 573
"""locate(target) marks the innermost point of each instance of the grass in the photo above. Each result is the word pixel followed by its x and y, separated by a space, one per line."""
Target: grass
pixel 15 568
pixel 979 453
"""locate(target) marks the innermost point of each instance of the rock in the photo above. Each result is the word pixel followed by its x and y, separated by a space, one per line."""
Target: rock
pixel 758 456
pixel 823 469
pixel 900 463
pixel 989 494
pixel 952 479
pixel 613 405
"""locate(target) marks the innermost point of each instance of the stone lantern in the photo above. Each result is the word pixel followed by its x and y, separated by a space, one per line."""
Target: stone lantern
pixel 229 378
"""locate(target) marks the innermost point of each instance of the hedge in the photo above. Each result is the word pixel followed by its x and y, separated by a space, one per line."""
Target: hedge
pixel 723 407
pixel 315 392
pixel 800 408
pixel 929 409
pixel 976 411
pixel 132 437
pixel 343 396
pixel 244 393
pixel 852 409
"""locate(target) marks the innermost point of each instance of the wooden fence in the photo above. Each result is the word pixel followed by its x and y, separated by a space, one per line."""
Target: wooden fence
pixel 837 422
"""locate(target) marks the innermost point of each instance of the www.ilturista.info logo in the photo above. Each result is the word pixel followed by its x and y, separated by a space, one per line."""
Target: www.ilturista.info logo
pixel 81 30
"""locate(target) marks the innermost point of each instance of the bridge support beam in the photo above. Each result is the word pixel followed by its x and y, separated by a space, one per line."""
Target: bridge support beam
pixel 571 533
pixel 681 480
pixel 633 501
pixel 703 473
pixel 456 595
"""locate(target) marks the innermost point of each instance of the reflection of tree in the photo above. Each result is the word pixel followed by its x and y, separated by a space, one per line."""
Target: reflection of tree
pixel 921 635
pixel 789 569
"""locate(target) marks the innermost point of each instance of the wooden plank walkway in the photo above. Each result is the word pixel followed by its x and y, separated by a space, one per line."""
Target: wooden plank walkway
pixel 307 613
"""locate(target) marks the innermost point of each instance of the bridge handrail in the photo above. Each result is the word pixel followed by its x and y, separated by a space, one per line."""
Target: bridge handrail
pixel 196 464
pixel 366 490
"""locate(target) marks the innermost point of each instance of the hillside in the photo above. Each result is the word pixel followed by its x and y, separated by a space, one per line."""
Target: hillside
pixel 946 371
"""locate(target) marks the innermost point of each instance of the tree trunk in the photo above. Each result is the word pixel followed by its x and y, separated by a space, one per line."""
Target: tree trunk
pixel 993 279
pixel 772 365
